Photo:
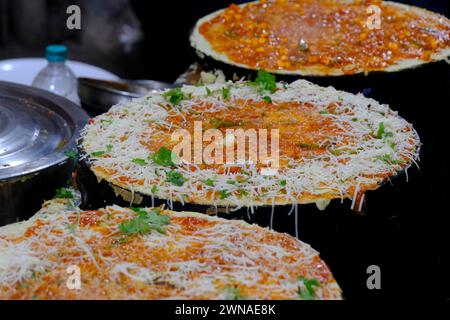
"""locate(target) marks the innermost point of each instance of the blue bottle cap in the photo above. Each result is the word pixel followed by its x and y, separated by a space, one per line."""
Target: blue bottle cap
pixel 56 53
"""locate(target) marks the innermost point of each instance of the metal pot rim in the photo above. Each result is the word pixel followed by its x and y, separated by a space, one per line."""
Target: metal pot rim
pixel 66 108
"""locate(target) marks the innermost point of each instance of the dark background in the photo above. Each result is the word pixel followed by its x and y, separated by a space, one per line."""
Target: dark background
pixel 406 232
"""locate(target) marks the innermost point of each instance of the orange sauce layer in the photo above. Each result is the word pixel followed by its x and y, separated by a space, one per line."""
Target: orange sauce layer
pixel 99 281
pixel 267 35
pixel 303 131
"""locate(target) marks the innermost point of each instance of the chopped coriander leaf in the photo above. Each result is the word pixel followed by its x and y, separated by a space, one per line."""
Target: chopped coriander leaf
pixel 109 148
pixel 265 82
pixel 283 183
pixel 164 157
pixel 380 130
pixel 139 161
pixel 225 93
pixel 308 145
pixel 98 153
pixel 232 293
pixel 354 119
pixel 174 96
pixel 106 121
pixel 208 92
pixel 216 123
pixel 209 182
pixel 267 99
pixel 341 151
pixel 233 182
pixel 134 226
pixel 175 178
pixel 144 222
pixel 323 112
pixel 224 194
pixel 72 154
pixel 154 189
pixel 138 210
pixel 242 193
pixel 387 158
pixel 307 291
pixel 63 193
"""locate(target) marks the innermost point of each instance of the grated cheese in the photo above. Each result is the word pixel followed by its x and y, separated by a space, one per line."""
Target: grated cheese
pixel 359 162
pixel 196 258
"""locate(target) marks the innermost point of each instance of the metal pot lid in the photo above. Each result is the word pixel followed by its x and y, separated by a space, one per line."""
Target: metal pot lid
pixel 36 129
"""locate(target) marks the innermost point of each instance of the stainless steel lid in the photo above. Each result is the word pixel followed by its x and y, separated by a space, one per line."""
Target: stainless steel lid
pixel 36 129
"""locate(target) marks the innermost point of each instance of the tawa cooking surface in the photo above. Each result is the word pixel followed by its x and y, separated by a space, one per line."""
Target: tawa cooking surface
pixel 36 128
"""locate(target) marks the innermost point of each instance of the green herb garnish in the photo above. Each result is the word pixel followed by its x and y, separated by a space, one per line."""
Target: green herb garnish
pixel 233 293
pixel 216 123
pixel 307 291
pixel 225 93
pixel 175 178
pixel 164 157
pixel 380 130
pixel 63 193
pixel 242 193
pixel 283 183
pixel 72 154
pixel 139 161
pixel 267 99
pixel 224 194
pixel 109 148
pixel 388 159
pixel 209 182
pixel 98 153
pixel 308 145
pixel 174 96
pixel 144 223
pixel 265 82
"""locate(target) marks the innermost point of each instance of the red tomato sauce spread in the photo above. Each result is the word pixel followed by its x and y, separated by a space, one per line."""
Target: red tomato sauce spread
pixel 291 35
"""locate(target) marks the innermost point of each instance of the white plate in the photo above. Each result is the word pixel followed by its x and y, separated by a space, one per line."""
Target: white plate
pixel 24 70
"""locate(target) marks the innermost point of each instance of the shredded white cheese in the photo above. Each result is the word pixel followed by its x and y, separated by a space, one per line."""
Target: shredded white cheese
pixel 339 173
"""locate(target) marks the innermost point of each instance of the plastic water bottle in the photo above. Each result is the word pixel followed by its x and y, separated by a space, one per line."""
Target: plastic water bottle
pixel 57 76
